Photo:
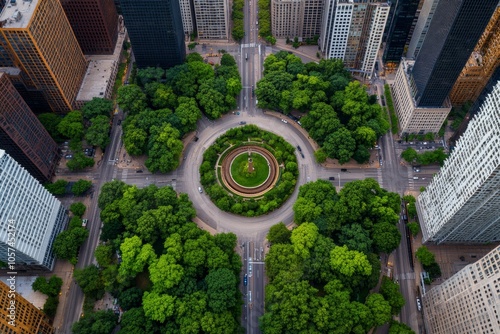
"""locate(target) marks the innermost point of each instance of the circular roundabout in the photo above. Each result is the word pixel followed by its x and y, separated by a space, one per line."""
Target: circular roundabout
pixel 249 171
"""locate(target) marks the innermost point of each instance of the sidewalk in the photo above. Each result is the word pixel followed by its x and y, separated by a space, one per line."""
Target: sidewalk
pixel 308 51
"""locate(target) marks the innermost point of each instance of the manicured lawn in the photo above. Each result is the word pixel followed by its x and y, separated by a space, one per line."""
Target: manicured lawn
pixel 241 174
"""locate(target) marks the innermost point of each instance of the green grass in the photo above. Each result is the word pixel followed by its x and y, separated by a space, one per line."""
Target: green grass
pixel 390 105
pixel 240 173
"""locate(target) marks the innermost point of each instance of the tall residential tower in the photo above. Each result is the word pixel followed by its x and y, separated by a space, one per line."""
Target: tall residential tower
pixel 95 24
pixel 462 203
pixel 38 38
pixel 22 136
pixel 35 214
pixel 212 19
pixel 467 302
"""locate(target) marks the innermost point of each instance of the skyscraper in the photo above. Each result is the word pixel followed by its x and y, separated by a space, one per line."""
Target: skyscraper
pixel 481 64
pixel 155 31
pixel 95 24
pixel 296 18
pixel 353 31
pixel 451 39
pixel 22 136
pixel 35 214
pixel 399 29
pixel 421 28
pixel 187 14
pixel 212 18
pixel 462 203
pixel 426 83
pixel 468 301
pixel 29 319
pixel 40 41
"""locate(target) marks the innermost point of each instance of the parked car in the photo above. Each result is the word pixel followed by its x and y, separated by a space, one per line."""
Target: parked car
pixel 245 280
pixel 419 304
pixel 243 122
pixel 284 120
pixel 200 190
pixel 299 148
pixel 331 178
pixel 343 170
pixel 139 171
pixel 84 222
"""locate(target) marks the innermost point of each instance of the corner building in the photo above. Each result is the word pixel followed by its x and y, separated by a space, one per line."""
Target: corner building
pixel 462 203
pixel 155 31
pixel 40 41
pixel 29 319
pixel 22 135
pixel 37 215
pixel 467 302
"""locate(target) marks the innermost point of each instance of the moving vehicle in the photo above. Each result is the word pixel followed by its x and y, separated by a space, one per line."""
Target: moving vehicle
pixel 139 171
pixel 243 122
pixel 84 222
pixel 246 56
pixel 245 280
pixel 343 170
pixel 331 178
pixel 299 148
pixel 200 190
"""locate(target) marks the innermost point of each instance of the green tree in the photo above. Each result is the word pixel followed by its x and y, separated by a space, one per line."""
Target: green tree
pixel 111 191
pixel 365 135
pixel 50 121
pixel 386 237
pixel 71 126
pixel 57 188
pixel 414 228
pixel 399 328
pixel 51 288
pixel 390 291
pixel 349 263
pixel 188 113
pixel 80 187
pixel 97 107
pixel 104 255
pixel 410 155
pixel 89 279
pixel 320 156
pixel 79 161
pixel 279 234
pixel 131 99
pixel 340 145
pixel 77 208
pixel 135 256
pixel 425 256
pixel 148 74
pixel 222 290
pixel 98 132
pixel 75 222
pixel 96 323
pixel 135 140
pixel 303 239
pixel 165 148
pixel 158 306
pixel 380 308
pixel 134 321
pixel 50 306
pixel 68 242
pixel 355 237
pixel 130 298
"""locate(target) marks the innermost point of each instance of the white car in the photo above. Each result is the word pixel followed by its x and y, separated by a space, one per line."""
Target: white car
pixel 284 120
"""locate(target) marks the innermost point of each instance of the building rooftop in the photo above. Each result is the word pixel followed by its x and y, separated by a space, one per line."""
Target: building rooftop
pixel 17 13
pixel 100 72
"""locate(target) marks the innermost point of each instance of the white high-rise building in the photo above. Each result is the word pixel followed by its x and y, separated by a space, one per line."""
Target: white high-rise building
pixel 421 27
pixel 30 218
pixel 187 16
pixel 212 19
pixel 467 302
pixel 353 31
pixel 462 203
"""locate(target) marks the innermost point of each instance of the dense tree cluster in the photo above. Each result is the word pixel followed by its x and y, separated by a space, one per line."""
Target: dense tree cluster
pixel 51 288
pixel 68 242
pixel 168 275
pixel 238 16
pixel 322 271
pixel 426 158
pixel 282 151
pixel 164 106
pixel 60 187
pixel 96 323
pixel 341 116
pixel 77 208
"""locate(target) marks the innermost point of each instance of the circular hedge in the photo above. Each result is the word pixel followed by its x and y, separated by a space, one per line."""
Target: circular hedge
pixel 240 138
pixel 249 173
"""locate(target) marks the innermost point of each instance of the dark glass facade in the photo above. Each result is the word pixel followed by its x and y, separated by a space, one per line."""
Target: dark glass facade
pixel 22 136
pixel 95 24
pixel 453 33
pixel 155 31
pixel 399 28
